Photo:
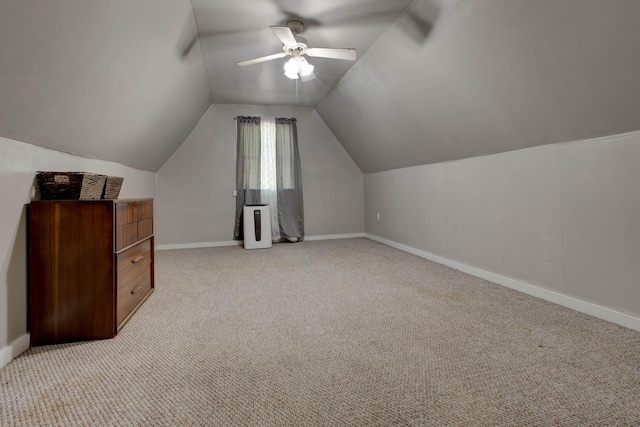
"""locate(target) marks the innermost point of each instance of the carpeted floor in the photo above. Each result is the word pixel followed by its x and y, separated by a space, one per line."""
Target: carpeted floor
pixel 340 333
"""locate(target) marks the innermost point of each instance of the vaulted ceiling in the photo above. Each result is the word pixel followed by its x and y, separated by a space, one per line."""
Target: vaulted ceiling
pixel 490 76
pixel 436 80
pixel 239 30
pixel 99 78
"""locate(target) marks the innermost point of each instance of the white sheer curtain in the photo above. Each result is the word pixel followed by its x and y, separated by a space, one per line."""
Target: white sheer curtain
pixel 268 185
pixel 251 156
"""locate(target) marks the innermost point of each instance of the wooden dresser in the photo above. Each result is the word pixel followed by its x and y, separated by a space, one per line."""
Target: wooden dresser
pixel 90 267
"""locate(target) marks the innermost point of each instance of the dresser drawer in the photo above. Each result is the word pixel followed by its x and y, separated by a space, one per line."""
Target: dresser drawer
pixel 127 212
pixel 133 260
pixel 133 291
pixel 133 278
pixel 145 228
pixel 134 222
pixel 126 235
pixel 146 209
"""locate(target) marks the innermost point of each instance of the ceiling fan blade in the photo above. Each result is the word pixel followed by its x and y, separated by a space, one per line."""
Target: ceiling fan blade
pixel 285 35
pixel 262 59
pixel 348 54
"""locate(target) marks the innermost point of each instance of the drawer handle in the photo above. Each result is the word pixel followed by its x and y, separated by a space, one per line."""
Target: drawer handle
pixel 137 259
pixel 136 290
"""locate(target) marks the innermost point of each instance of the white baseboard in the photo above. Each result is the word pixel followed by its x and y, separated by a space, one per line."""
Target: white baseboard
pixel 14 349
pixel 239 242
pixel 198 245
pixel 591 309
pixel 334 237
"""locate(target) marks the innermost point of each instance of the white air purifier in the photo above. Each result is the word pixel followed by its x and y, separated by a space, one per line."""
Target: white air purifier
pixel 257 227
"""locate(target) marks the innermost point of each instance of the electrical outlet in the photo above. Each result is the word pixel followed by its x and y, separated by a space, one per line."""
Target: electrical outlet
pixel 235 193
pixel 378 216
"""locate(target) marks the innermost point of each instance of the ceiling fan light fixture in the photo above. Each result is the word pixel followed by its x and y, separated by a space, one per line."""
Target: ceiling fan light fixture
pixel 297 67
pixel 291 69
pixel 306 69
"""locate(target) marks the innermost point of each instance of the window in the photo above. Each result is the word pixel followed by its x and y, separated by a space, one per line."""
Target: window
pixel 268 172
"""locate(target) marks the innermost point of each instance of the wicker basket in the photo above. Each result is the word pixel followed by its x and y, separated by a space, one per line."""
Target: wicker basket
pixel 70 185
pixel 112 187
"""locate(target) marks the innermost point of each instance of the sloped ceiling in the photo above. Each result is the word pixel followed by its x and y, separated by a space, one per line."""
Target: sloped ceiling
pixel 238 30
pixel 459 78
pixel 126 80
pixel 102 79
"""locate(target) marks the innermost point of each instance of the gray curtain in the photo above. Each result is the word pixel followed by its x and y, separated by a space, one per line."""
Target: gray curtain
pixel 247 168
pixel 289 180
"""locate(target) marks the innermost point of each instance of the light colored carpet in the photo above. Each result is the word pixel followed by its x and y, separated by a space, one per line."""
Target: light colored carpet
pixel 341 333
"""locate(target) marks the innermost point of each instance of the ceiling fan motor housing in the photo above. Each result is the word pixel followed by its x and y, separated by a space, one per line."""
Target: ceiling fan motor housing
pixel 296 27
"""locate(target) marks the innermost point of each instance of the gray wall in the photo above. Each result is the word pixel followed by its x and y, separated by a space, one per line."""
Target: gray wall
pixel 18 164
pixel 194 187
pixel 562 217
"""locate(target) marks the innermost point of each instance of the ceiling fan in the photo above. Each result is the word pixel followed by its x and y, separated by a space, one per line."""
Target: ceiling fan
pixel 295 46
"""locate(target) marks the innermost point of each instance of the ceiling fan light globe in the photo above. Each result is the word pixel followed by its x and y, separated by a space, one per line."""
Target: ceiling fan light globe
pixel 291 69
pixel 306 69
pixel 308 77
